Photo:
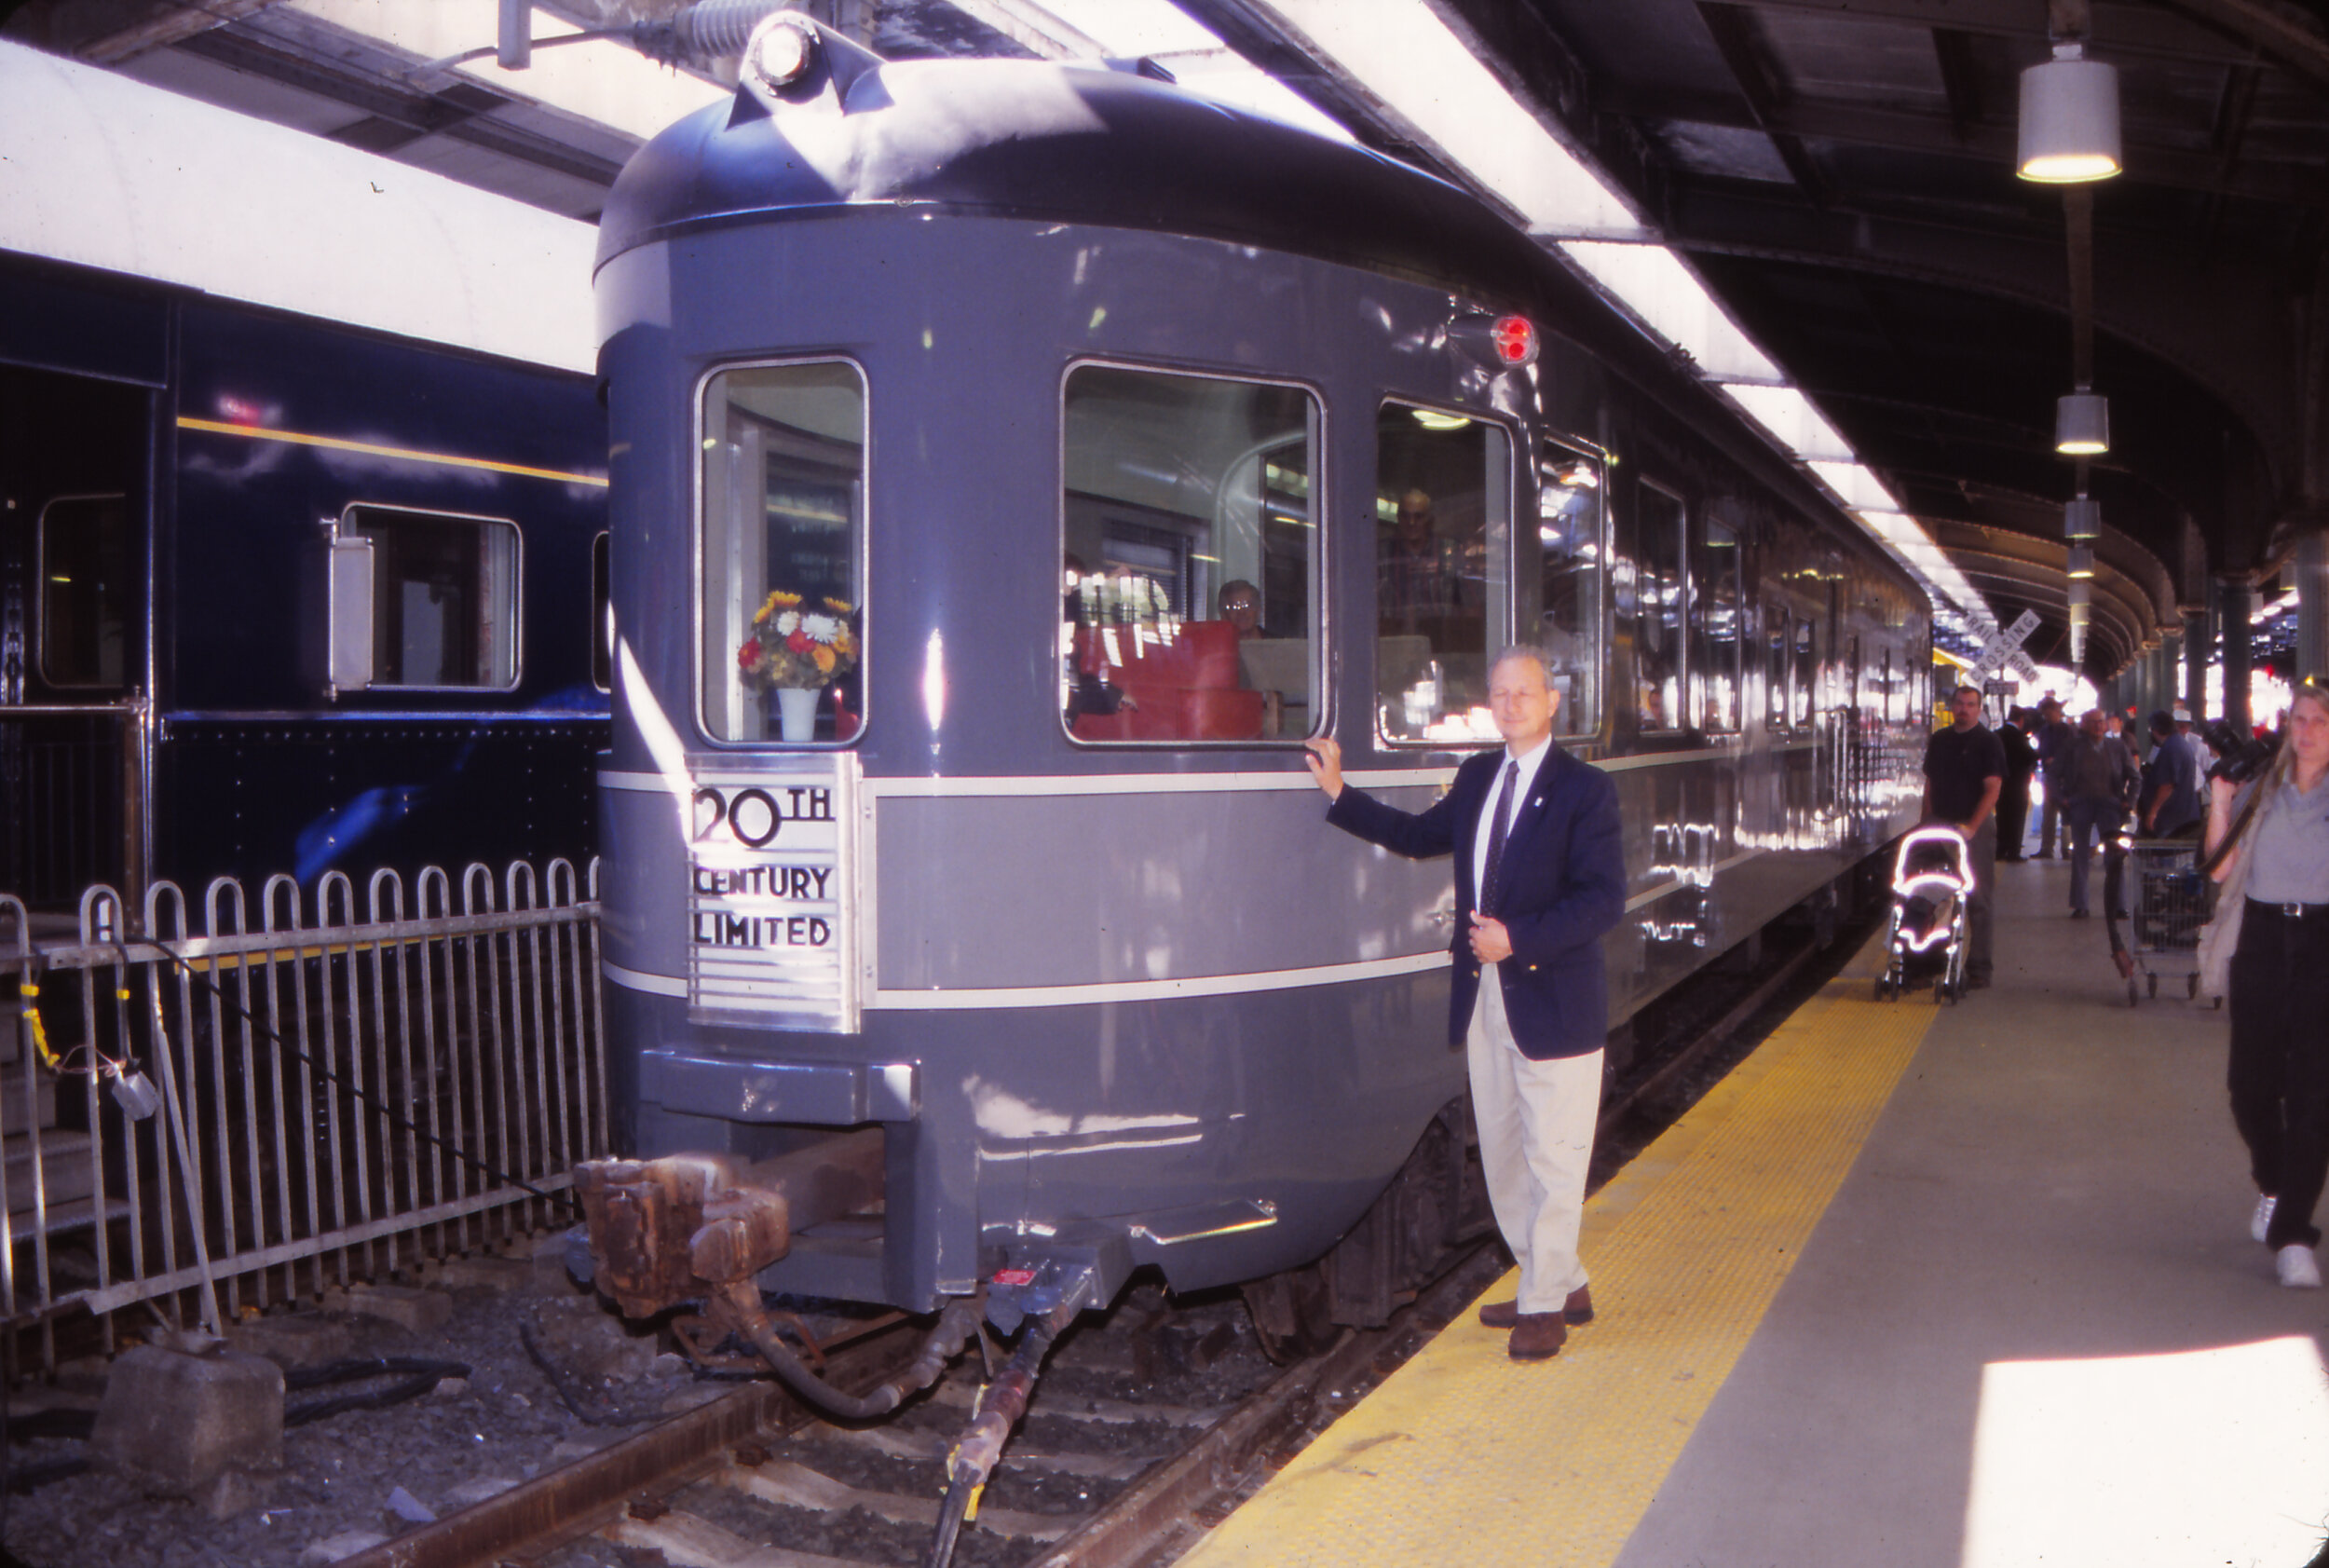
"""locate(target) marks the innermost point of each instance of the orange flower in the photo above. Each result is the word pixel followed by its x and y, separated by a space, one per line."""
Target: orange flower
pixel 824 656
pixel 837 606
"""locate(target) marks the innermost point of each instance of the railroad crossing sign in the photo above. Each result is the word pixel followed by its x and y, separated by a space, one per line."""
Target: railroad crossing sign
pixel 2004 650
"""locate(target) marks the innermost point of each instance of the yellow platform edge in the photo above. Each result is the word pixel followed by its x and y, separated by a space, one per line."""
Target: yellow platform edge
pixel 1464 1455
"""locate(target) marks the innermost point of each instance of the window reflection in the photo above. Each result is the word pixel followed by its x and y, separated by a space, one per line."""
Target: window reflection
pixel 1658 615
pixel 1189 565
pixel 1443 508
pixel 1777 664
pixel 1806 668
pixel 783 574
pixel 1569 619
pixel 1717 635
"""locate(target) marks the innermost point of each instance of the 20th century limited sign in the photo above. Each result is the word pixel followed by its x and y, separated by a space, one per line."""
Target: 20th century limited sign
pixel 767 878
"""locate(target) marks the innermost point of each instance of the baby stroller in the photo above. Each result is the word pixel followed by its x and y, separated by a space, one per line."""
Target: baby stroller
pixel 1924 935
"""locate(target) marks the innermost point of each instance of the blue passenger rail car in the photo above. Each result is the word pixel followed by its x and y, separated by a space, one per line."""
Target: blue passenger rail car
pixel 1014 465
pixel 301 537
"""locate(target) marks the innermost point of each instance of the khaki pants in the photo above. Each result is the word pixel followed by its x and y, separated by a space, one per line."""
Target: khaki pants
pixel 1535 1122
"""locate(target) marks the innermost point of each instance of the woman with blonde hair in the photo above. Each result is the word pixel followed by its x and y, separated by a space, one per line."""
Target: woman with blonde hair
pixel 2276 892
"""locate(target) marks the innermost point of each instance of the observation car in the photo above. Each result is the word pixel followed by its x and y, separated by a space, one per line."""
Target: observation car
pixel 302 503
pixel 950 397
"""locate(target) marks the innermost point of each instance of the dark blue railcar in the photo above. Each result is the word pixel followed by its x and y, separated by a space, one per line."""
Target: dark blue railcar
pixel 277 592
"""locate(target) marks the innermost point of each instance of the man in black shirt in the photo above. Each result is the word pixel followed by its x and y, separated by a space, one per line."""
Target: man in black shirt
pixel 2013 805
pixel 1965 770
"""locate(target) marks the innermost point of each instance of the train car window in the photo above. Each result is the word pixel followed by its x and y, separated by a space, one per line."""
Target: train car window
pixel 602 617
pixel 1806 668
pixel 1188 558
pixel 1443 515
pixel 445 598
pixel 1776 630
pixel 84 591
pixel 1716 637
pixel 1658 637
pixel 782 552
pixel 1573 551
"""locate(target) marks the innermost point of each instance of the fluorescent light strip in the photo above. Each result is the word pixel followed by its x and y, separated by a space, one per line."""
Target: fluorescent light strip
pixel 1654 283
pixel 1402 52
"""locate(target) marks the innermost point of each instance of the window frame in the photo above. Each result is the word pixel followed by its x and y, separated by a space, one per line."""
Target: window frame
pixel 129 681
pixel 1320 635
pixel 346 527
pixel 603 610
pixel 698 435
pixel 1519 449
pixel 1676 721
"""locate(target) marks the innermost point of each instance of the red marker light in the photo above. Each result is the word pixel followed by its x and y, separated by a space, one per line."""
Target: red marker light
pixel 1515 340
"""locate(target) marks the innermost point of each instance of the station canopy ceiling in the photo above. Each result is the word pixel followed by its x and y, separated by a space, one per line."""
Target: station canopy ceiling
pixel 1814 200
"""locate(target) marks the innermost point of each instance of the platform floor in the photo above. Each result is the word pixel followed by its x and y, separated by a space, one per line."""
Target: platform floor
pixel 1933 1287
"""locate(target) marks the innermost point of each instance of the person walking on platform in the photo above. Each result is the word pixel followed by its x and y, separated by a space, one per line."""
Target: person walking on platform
pixel 2099 781
pixel 2014 802
pixel 2170 804
pixel 2054 740
pixel 1539 877
pixel 1965 773
pixel 2276 887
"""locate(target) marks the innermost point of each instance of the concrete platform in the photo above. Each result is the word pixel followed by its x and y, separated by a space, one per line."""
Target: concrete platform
pixel 1932 1287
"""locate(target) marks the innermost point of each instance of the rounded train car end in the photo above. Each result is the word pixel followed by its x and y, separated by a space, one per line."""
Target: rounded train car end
pixel 1012 466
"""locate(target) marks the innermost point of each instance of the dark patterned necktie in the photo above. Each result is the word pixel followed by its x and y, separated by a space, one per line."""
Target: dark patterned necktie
pixel 1492 875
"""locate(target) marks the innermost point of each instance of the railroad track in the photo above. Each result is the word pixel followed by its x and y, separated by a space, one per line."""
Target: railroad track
pixel 754 1480
pixel 1103 1471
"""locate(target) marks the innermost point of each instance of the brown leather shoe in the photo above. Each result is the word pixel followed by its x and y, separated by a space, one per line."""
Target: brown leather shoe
pixel 1575 1312
pixel 1538 1336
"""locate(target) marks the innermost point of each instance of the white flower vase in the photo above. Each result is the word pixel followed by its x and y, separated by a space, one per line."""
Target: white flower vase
pixel 796 713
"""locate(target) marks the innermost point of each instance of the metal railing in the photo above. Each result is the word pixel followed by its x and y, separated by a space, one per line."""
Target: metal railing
pixel 254 1107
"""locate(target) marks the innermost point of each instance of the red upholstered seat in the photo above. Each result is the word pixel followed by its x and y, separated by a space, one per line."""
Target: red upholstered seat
pixel 1185 685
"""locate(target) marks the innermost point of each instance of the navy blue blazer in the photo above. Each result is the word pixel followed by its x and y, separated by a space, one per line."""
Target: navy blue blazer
pixel 1564 887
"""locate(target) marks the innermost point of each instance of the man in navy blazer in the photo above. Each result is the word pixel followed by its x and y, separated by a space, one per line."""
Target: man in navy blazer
pixel 1532 903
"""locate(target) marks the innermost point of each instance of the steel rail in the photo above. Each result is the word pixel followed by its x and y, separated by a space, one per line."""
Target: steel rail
pixel 528 1520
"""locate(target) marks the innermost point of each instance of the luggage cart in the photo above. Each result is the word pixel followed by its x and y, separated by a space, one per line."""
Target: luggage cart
pixel 2169 900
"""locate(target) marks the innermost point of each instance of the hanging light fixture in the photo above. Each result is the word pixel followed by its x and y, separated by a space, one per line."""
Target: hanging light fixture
pixel 2082 519
pixel 2069 118
pixel 2082 424
pixel 2080 562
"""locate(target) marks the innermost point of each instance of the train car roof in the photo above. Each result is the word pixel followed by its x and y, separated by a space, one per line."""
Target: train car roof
pixel 103 171
pixel 1039 141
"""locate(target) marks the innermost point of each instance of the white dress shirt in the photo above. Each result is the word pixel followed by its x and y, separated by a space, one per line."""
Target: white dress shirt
pixel 1530 763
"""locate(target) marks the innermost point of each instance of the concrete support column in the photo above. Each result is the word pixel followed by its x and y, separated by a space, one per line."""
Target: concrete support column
pixel 2312 565
pixel 2198 650
pixel 2235 601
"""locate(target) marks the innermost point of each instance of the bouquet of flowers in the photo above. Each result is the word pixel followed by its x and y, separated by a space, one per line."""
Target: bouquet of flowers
pixel 796 649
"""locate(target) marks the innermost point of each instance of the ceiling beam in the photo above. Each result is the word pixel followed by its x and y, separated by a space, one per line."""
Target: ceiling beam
pixel 113 32
pixel 2119 29
pixel 1953 54
pixel 1989 142
pixel 2221 322
pixel 1738 40
pixel 2292 42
